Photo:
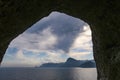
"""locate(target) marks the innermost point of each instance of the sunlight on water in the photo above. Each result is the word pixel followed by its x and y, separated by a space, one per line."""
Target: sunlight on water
pixel 48 74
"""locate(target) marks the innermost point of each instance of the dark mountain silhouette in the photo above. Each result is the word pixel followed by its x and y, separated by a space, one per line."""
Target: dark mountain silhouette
pixel 72 63
pixel 88 64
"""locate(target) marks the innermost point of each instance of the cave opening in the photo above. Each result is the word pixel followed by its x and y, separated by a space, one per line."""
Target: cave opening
pixel 58 44
pixel 53 39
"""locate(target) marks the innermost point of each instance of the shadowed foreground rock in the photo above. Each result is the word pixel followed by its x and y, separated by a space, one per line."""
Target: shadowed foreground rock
pixel 103 16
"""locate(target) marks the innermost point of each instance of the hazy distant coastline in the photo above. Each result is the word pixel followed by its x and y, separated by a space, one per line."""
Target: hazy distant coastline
pixel 70 62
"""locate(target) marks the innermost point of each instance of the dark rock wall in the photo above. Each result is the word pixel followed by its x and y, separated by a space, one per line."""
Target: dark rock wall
pixel 103 16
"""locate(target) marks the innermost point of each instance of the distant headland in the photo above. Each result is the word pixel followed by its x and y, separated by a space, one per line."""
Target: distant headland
pixel 71 62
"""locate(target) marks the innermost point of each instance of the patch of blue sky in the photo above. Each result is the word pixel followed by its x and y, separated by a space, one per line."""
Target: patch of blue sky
pixel 10 54
pixel 28 53
pixel 89 56
pixel 12 50
pixel 65 56
pixel 9 57
pixel 34 54
pixel 80 50
pixel 42 54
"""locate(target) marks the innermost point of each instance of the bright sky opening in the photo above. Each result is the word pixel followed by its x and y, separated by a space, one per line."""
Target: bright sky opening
pixel 52 39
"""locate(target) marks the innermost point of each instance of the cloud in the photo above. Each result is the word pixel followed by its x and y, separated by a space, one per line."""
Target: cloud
pixel 52 39
pixel 57 31
pixel 42 41
pixel 81 55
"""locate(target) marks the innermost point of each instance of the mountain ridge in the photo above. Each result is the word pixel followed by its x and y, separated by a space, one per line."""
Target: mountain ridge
pixel 71 62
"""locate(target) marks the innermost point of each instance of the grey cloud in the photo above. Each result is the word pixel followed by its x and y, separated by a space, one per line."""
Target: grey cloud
pixel 66 28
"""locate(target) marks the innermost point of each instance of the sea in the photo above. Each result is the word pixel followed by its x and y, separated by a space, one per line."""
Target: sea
pixel 48 73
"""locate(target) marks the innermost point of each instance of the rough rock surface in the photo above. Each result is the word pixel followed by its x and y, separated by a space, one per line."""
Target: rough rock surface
pixel 103 16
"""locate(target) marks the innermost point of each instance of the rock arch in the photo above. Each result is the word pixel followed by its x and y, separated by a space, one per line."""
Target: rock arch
pixel 102 15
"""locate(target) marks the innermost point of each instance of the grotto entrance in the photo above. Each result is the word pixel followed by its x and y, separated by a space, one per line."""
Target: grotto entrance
pixel 52 39
pixel 102 16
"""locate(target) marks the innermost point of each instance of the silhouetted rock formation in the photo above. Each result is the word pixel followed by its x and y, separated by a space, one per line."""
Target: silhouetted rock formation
pixel 72 63
pixel 88 64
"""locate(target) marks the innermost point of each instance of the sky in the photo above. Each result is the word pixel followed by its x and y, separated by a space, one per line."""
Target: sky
pixel 54 38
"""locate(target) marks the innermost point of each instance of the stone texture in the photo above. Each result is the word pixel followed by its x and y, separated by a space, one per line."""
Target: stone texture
pixel 103 16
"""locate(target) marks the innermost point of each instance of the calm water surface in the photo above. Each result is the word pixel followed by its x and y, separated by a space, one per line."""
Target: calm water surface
pixel 48 74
